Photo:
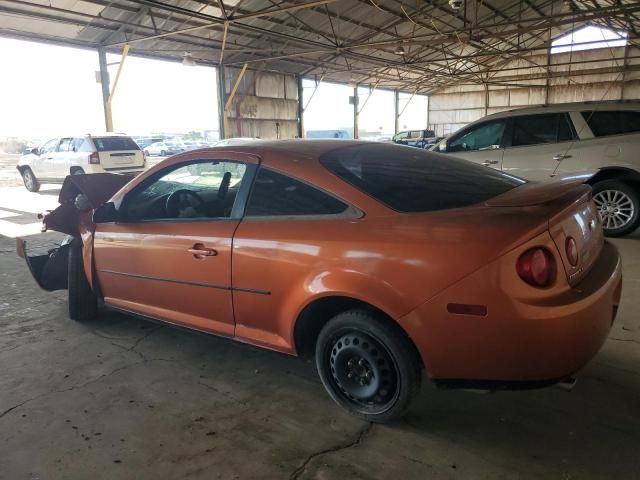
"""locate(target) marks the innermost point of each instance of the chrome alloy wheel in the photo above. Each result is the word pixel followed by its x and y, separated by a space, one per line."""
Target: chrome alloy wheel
pixel 615 207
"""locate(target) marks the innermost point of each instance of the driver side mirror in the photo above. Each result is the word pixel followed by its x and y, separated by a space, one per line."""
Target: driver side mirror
pixel 443 146
pixel 35 151
pixel 105 213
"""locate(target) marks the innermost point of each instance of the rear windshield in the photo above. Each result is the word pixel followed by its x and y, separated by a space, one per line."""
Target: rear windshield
pixel 114 144
pixel 408 179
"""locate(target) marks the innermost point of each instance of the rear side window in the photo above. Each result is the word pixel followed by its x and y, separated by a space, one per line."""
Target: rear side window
pixel 537 129
pixel 114 144
pixel 604 123
pixel 275 194
pixel 82 145
pixel 413 180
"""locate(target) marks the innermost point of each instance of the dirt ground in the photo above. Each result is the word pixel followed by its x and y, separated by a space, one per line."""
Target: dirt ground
pixel 121 398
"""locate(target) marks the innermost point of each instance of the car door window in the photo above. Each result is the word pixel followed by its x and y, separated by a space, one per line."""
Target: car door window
pixel 66 145
pixel 401 136
pixel 196 190
pixel 487 136
pixel 539 129
pixel 275 194
pixel 49 147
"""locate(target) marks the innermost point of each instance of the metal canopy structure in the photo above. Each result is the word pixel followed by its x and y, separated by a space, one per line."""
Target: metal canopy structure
pixel 415 46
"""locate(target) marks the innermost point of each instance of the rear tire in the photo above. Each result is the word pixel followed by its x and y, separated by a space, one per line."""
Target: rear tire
pixel 30 181
pixel 83 303
pixel 368 365
pixel 163 153
pixel 77 171
pixel 619 206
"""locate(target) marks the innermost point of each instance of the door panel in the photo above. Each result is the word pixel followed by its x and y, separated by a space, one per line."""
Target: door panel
pixel 537 162
pixel 538 145
pixel 489 158
pixel 147 268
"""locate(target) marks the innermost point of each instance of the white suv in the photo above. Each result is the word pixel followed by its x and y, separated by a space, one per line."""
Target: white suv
pixel 59 157
pixel 538 143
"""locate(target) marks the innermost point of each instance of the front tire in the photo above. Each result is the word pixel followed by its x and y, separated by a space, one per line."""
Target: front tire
pixel 619 206
pixel 30 181
pixel 368 365
pixel 83 303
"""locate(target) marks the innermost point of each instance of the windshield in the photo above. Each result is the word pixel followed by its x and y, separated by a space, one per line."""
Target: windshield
pixel 412 180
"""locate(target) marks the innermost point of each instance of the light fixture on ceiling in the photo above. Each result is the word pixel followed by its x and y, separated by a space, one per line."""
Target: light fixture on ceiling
pixel 455 4
pixel 187 60
pixel 400 50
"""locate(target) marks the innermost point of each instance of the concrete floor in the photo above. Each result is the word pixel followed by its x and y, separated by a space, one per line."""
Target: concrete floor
pixel 120 398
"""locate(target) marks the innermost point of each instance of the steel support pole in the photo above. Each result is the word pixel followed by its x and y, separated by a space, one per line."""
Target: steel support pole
pixel 221 101
pixel 396 110
pixel 355 111
pixel 104 83
pixel 300 108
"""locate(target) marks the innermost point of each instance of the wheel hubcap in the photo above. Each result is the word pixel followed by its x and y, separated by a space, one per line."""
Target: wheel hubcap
pixel 363 371
pixel 28 180
pixel 615 207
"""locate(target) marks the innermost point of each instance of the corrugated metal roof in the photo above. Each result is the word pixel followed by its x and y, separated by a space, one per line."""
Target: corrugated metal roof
pixel 354 41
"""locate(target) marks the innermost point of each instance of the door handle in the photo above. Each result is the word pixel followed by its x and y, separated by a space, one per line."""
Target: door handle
pixel 561 156
pixel 486 163
pixel 199 251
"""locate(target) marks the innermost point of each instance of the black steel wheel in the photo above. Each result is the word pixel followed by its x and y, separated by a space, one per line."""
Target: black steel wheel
pixel 368 365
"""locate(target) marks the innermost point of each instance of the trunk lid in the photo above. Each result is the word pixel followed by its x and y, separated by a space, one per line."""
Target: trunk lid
pixel 570 212
pixel 118 153
pixel 578 221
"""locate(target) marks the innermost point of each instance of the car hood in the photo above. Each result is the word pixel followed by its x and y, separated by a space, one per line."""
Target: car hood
pixel 98 189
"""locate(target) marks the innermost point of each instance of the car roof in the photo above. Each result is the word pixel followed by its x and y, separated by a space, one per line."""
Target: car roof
pixel 567 107
pixel 301 149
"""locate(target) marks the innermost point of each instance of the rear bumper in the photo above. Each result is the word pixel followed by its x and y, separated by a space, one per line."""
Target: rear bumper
pixel 117 170
pixel 519 341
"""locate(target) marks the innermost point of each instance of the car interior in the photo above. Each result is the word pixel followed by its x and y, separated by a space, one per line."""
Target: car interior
pixel 197 190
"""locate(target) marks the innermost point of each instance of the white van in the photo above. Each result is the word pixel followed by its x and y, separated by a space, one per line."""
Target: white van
pixel 539 143
pixel 59 157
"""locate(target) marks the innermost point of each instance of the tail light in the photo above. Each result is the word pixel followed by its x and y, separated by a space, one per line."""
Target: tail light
pixel 571 250
pixel 537 267
pixel 94 158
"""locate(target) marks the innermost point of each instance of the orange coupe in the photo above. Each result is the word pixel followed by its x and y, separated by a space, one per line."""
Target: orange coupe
pixel 382 260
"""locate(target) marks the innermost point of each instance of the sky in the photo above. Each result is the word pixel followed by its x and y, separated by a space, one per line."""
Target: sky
pixel 589 34
pixel 48 91
pixel 329 108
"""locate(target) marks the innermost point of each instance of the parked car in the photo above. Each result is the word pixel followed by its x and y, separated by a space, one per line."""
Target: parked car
pixel 340 133
pixel 59 157
pixel 381 260
pixel 146 141
pixel 163 149
pixel 234 141
pixel 600 140
pixel 414 138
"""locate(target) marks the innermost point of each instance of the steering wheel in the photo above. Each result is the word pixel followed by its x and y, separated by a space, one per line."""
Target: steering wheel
pixel 181 199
